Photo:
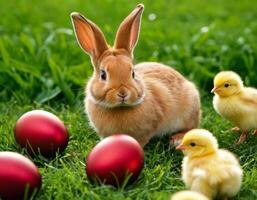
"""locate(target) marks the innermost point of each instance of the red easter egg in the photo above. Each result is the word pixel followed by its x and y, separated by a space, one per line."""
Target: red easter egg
pixel 115 158
pixel 41 131
pixel 18 176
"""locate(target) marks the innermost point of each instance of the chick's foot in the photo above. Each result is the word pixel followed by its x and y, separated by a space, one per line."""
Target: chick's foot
pixel 235 129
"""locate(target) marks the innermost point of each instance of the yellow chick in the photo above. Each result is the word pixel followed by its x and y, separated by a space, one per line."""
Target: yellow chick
pixel 208 169
pixel 235 102
pixel 188 195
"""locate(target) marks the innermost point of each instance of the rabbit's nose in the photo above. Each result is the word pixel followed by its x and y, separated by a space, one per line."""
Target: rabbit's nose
pixel 122 95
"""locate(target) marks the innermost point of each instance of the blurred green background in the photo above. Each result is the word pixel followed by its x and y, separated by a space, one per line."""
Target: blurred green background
pixel 41 61
pixel 42 67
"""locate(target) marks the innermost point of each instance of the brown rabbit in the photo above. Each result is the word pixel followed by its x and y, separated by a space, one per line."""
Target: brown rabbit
pixel 143 100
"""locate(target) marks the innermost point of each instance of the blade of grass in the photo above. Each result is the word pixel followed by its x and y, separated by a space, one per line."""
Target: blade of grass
pixel 60 81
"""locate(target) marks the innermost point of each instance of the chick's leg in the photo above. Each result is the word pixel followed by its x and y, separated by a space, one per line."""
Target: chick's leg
pixel 242 138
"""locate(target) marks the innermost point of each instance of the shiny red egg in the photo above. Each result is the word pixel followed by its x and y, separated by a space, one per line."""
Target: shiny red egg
pixel 19 177
pixel 115 159
pixel 41 132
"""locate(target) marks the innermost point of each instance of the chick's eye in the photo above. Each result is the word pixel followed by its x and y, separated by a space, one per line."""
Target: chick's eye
pixel 133 74
pixel 226 85
pixel 192 144
pixel 103 75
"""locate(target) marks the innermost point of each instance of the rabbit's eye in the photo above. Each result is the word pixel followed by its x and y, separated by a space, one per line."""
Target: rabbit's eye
pixel 133 74
pixel 226 85
pixel 192 144
pixel 103 75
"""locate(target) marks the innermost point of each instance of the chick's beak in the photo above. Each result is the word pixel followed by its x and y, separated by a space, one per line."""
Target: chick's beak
pixel 214 89
pixel 181 147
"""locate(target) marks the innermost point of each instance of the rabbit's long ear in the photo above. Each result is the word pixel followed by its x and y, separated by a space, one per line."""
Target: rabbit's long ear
pixel 128 32
pixel 89 36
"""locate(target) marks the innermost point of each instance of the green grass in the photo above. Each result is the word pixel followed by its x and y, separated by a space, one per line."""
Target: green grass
pixel 64 177
pixel 41 66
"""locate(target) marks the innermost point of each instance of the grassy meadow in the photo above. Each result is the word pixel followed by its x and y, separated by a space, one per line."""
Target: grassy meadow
pixel 42 67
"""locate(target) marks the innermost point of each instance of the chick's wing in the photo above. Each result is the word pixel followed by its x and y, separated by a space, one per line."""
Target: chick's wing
pixel 250 96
